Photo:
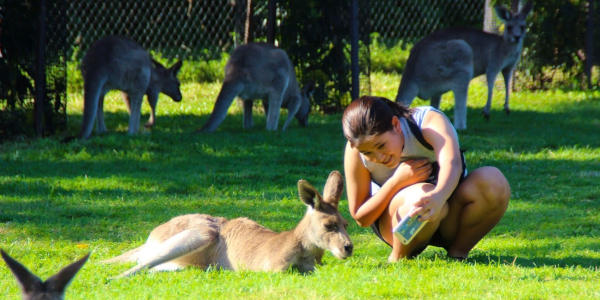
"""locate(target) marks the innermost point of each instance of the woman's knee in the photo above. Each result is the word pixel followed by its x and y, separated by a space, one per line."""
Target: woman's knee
pixel 404 200
pixel 487 184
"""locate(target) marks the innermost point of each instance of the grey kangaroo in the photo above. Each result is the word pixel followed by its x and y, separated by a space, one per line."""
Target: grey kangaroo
pixel 261 71
pixel 448 59
pixel 119 63
pixel 33 288
pixel 242 244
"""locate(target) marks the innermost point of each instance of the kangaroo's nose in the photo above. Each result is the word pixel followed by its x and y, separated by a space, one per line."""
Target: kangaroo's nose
pixel 348 248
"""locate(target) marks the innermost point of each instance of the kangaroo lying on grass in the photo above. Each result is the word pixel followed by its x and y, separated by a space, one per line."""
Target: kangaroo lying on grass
pixel 261 71
pixel 33 288
pixel 448 59
pixel 203 240
pixel 119 63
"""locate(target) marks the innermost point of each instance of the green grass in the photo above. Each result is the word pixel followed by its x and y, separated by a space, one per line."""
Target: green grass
pixel 59 201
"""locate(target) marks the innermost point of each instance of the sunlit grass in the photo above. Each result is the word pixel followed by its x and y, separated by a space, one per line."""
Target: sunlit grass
pixel 59 201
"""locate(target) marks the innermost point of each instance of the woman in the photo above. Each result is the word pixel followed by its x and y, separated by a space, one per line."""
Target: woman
pixel 400 162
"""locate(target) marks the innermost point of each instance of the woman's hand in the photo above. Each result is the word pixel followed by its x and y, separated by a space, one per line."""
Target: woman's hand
pixel 413 170
pixel 429 206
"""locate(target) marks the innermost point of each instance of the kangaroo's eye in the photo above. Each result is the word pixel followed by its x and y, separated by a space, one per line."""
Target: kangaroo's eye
pixel 331 226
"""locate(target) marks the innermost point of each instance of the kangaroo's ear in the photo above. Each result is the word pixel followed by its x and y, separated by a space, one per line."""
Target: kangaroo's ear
pixel 60 280
pixel 525 10
pixel 28 282
pixel 334 187
pixel 176 67
pixel 503 13
pixel 309 195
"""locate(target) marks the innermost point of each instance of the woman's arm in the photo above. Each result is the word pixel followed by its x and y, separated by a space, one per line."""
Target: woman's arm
pixel 364 208
pixel 438 131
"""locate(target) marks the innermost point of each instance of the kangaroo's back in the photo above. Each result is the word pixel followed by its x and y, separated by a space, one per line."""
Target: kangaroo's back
pixel 119 60
pixel 483 44
pixel 259 64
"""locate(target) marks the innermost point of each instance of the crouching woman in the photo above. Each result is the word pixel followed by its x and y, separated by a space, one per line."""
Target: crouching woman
pixel 402 162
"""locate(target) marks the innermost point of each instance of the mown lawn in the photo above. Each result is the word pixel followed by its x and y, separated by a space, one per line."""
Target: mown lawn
pixel 59 201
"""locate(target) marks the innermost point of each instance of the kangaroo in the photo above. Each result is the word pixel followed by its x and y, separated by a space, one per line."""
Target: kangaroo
pixel 448 59
pixel 202 240
pixel 119 63
pixel 261 71
pixel 32 287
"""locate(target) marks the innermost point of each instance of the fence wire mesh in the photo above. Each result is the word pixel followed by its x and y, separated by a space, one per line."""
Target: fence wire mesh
pixel 410 20
pixel 183 29
pixel 204 29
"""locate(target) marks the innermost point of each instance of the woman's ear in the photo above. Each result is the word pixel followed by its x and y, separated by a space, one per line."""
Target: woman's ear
pixel 396 125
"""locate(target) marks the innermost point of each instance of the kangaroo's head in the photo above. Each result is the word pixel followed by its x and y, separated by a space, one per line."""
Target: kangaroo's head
pixel 33 288
pixel 325 227
pixel 167 79
pixel 304 110
pixel 514 24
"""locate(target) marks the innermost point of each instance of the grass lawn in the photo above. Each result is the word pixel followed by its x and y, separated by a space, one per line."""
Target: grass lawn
pixel 60 201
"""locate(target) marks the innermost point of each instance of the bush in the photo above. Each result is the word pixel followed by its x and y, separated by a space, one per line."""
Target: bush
pixel 388 59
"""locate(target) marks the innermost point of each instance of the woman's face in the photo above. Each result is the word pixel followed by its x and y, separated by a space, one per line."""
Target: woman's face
pixel 385 148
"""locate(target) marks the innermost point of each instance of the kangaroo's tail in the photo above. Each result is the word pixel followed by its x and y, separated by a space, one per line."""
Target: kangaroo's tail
pixel 229 91
pixel 129 256
pixel 92 88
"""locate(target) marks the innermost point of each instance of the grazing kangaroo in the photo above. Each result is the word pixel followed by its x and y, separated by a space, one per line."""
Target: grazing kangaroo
pixel 33 288
pixel 203 241
pixel 261 71
pixel 448 59
pixel 119 63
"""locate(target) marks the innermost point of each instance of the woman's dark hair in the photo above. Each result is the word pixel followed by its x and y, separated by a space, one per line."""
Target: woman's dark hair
pixel 369 116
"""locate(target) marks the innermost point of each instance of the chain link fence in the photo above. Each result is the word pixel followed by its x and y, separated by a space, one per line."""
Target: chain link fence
pixel 316 34
pixel 24 65
pixel 175 29
pixel 406 22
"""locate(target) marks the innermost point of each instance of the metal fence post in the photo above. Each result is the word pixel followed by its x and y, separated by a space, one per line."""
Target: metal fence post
pixel 355 87
pixel 40 73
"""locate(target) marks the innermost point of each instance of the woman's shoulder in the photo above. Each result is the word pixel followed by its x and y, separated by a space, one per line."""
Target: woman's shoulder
pixel 418 113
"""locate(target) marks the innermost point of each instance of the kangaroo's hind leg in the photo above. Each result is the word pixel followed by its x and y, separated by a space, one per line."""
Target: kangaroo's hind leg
pixel 184 243
pixel 436 100
pixel 100 125
pixel 247 104
pixel 507 74
pixel 135 111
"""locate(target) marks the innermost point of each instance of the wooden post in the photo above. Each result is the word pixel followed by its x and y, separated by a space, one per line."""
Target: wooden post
pixel 248 33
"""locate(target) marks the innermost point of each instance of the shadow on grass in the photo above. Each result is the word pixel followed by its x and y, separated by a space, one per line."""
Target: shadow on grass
pixel 569 261
pixel 117 187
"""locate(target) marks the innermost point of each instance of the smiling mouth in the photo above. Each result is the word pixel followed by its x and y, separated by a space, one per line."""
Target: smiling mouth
pixel 387 161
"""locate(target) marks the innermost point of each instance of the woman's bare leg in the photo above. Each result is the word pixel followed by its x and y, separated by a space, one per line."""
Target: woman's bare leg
pixel 475 208
pixel 400 206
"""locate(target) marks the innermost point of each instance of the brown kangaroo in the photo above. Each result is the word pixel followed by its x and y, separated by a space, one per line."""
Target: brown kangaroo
pixel 261 71
pixel 120 63
pixel 203 241
pixel 448 59
pixel 33 288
